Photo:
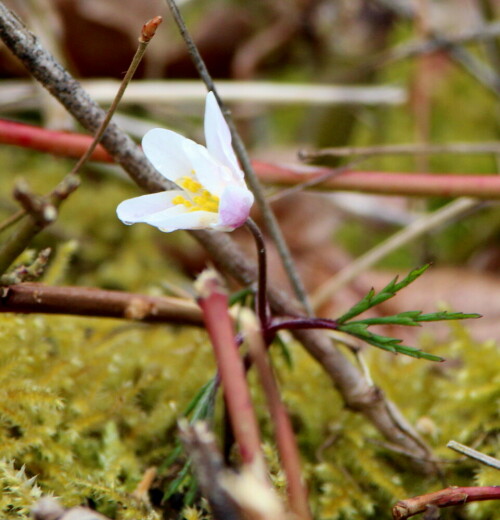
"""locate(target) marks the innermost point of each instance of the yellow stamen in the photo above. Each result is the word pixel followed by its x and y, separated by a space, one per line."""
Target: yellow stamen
pixel 179 199
pixel 202 199
pixel 190 185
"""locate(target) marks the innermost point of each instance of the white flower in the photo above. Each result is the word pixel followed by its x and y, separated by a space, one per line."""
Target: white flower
pixel 212 191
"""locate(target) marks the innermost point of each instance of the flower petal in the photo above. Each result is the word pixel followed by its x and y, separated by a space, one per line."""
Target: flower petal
pixel 212 175
pixel 186 220
pixel 234 207
pixel 165 151
pixel 218 136
pixel 141 209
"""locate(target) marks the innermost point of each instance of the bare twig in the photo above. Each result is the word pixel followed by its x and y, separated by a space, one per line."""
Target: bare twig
pixel 26 273
pixel 13 219
pixel 65 144
pixel 209 467
pixel 452 496
pixel 388 183
pixel 267 213
pixel 214 302
pixel 147 33
pixel 437 43
pixel 22 236
pixel 402 149
pixel 474 454
pixel 30 298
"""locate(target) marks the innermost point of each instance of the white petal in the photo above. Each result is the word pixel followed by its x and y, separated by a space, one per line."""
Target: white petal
pixel 141 209
pixel 186 220
pixel 234 207
pixel 165 151
pixel 212 175
pixel 218 136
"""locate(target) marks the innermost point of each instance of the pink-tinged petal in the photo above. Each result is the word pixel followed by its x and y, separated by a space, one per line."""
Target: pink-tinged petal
pixel 234 207
pixel 165 150
pixel 141 209
pixel 212 175
pixel 186 220
pixel 218 136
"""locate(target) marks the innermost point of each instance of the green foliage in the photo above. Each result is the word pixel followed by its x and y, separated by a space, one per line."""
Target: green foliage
pixel 359 328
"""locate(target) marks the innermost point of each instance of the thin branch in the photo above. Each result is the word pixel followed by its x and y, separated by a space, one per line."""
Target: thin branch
pixel 209 466
pixel 267 213
pixel 262 281
pixel 437 43
pixel 22 236
pixel 476 68
pixel 62 144
pixel 214 303
pixel 415 229
pixel 28 298
pixel 65 144
pixel 402 149
pixel 387 183
pixel 147 33
pixel 474 454
pixel 13 219
pixel 452 496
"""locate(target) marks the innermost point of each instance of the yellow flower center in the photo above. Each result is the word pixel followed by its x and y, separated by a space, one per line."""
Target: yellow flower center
pixel 198 198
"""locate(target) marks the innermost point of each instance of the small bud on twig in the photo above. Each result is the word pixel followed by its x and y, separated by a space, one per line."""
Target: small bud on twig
pixel 149 29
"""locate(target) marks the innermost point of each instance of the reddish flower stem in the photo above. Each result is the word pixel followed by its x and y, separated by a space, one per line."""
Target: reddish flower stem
pixel 451 496
pixel 285 439
pixel 65 144
pixel 214 303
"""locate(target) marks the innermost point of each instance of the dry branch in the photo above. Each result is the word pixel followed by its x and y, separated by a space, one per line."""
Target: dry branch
pixel 30 298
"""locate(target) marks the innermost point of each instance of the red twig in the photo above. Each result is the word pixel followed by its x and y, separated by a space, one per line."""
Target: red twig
pixel 287 446
pixel 30 298
pixel 214 303
pixel 66 144
pixel 62 144
pixel 415 184
pixel 451 496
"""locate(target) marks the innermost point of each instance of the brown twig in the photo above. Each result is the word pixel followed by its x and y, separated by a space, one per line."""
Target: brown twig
pixel 209 467
pixel 356 392
pixel 30 298
pixel 452 496
pixel 35 221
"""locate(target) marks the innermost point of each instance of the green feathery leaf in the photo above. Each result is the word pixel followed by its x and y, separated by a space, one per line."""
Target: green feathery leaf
pixel 360 330
pixel 372 298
